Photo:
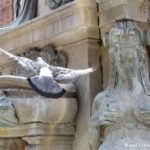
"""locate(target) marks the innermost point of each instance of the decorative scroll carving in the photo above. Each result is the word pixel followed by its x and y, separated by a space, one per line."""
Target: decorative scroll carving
pixel 53 4
pixel 48 53
pixel 28 12
pixel 122 112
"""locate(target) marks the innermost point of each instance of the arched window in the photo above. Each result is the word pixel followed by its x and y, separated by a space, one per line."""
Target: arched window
pixel 15 12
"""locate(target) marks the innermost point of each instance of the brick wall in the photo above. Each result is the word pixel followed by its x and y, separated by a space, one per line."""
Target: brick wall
pixel 6 11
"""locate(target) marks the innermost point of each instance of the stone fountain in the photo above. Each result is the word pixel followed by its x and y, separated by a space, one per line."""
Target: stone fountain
pixel 29 121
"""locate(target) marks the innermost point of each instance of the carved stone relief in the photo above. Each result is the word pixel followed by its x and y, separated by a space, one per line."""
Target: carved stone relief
pixel 48 53
pixel 8 116
pixel 53 4
pixel 121 113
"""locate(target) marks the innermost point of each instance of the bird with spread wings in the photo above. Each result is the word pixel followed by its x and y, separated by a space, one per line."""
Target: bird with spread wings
pixel 46 78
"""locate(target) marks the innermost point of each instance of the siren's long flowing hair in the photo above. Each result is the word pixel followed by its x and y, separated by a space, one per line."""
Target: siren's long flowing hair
pixel 143 72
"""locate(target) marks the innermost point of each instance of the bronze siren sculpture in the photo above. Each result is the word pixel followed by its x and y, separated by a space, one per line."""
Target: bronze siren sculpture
pixel 121 114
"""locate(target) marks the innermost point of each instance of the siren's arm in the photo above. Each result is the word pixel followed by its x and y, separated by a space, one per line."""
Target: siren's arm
pixel 94 137
pixel 94 132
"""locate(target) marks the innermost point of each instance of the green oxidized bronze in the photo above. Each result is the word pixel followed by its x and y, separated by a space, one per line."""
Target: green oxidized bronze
pixel 121 114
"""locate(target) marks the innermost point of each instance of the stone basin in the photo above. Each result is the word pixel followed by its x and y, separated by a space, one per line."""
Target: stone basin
pixel 33 108
pixel 36 109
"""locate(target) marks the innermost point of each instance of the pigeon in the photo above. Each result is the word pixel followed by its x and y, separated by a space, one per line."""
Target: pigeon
pixel 65 75
pixel 25 63
pixel 70 75
pixel 45 85
pixel 46 78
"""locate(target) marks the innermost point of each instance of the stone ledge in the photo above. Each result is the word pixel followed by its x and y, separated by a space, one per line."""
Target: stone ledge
pixel 51 140
pixel 34 129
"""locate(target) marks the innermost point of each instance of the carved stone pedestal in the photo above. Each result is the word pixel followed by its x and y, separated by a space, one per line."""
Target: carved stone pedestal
pixel 55 137
pixel 49 142
pixel 37 136
pixel 42 123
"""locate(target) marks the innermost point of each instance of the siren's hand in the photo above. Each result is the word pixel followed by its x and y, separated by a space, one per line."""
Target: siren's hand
pixel 106 116
pixel 94 137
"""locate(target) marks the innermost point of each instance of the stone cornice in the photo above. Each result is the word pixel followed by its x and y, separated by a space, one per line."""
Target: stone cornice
pixel 65 25
pixel 37 129
pixel 110 11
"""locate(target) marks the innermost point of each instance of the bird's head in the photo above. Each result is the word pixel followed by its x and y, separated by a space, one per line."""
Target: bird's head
pixel 39 59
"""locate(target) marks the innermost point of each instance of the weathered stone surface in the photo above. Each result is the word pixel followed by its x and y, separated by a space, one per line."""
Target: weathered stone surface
pixel 62 110
pixel 34 129
pixel 49 142
pixel 110 11
pixel 37 136
pixel 81 55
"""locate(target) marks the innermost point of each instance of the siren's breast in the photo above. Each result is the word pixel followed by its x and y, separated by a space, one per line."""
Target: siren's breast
pixel 130 132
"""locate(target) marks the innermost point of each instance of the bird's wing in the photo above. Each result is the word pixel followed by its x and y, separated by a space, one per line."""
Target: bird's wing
pixel 41 62
pixel 85 71
pixel 71 75
pixel 45 85
pixel 12 56
pixel 58 69
pixel 24 62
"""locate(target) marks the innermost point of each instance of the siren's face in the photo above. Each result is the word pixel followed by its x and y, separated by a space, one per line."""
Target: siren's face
pixel 126 61
pixel 124 51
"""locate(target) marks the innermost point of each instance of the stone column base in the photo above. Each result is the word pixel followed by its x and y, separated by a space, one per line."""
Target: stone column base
pixel 12 144
pixel 49 143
